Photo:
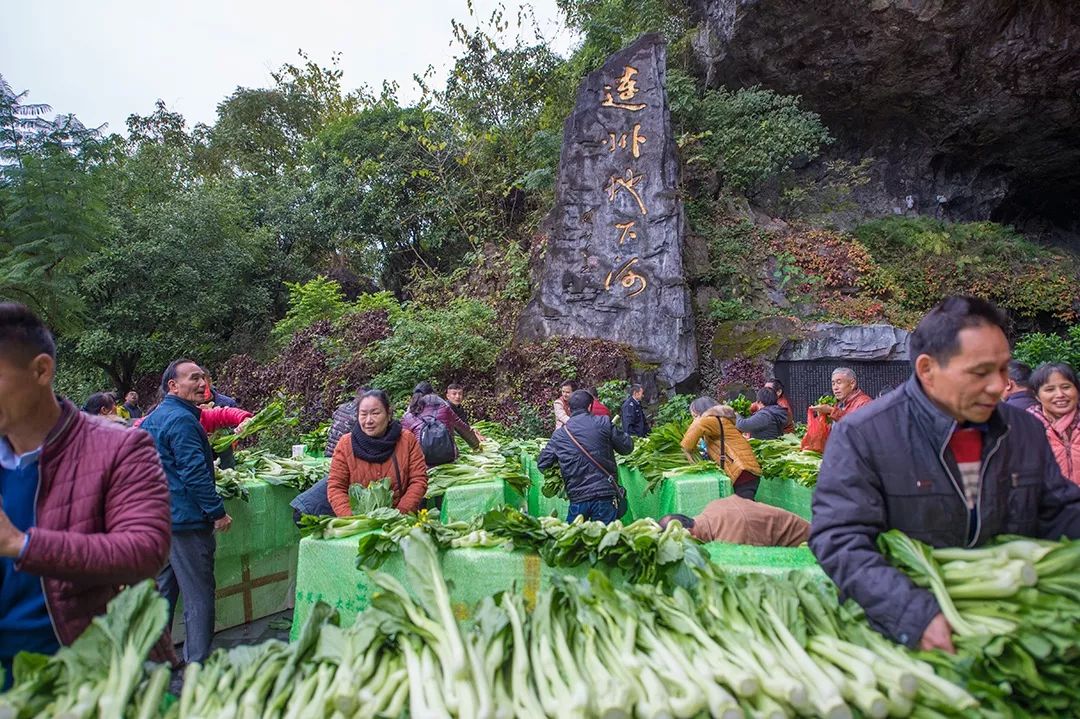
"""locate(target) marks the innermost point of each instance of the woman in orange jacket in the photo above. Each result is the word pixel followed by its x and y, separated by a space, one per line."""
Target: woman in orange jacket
pixel 714 426
pixel 377 447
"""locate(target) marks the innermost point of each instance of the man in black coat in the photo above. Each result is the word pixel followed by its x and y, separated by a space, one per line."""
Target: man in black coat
pixel 585 449
pixel 942 460
pixel 634 421
pixel 1018 393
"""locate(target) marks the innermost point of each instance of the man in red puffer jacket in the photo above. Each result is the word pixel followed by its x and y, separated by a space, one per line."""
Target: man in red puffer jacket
pixel 85 505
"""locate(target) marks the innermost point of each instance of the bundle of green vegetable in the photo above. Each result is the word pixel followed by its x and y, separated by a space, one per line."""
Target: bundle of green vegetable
pixel 826 399
pixel 257 466
pixel 1014 608
pixel 271 415
pixel 741 405
pixel 483 465
pixel 782 459
pixel 660 455
pixel 101 673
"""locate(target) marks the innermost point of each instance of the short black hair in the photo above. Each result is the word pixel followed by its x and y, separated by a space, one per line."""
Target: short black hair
pixel 23 336
pixel 767 396
pixel 98 401
pixel 170 372
pixel 938 333
pixel 384 399
pixel 569 383
pixel 777 385
pixel 580 399
pixel 1042 375
pixel 687 522
pixel 1020 373
pixel 635 388
pixel 453 386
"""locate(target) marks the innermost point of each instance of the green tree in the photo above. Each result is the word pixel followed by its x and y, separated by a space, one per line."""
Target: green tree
pixel 184 275
pixel 51 210
pixel 386 191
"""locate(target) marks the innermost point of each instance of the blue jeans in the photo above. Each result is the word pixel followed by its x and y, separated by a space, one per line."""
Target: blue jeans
pixel 598 510
pixel 190 573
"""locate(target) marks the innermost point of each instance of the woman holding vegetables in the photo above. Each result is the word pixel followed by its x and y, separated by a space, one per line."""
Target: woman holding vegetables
pixel 1056 388
pixel 376 448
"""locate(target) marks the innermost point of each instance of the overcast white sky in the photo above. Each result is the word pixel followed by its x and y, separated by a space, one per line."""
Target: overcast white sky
pixel 107 59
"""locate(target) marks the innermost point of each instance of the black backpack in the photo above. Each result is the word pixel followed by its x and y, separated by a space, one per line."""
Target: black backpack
pixel 437 442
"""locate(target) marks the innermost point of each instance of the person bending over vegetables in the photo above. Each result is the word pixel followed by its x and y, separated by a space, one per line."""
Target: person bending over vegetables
pixel 585 449
pixel 84 507
pixel 942 460
pixel 377 447
pixel 741 521
pixel 714 427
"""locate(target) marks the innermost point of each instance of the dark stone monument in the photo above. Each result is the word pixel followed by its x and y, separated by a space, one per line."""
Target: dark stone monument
pixel 613 268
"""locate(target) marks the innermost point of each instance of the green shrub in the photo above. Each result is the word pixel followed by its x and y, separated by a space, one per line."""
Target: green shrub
pixel 1038 348
pixel 676 407
pixel 612 393
pixel 319 299
pixel 751 134
pixel 431 341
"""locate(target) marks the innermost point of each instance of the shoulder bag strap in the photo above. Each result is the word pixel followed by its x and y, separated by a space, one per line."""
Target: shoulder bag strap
pixel 397 472
pixel 586 453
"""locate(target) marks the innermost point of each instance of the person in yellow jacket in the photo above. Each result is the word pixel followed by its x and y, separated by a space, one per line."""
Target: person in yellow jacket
pixel 714 429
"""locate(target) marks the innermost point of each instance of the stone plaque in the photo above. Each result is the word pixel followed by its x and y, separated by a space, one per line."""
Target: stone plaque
pixel 613 268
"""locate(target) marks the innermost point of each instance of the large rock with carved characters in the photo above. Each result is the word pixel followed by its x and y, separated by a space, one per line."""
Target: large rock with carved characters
pixel 613 266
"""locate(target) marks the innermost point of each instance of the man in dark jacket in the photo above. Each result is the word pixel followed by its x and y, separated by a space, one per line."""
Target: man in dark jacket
pixel 585 449
pixel 941 460
pixel 1018 392
pixel 197 510
pixel 634 421
pixel 769 421
pixel 84 507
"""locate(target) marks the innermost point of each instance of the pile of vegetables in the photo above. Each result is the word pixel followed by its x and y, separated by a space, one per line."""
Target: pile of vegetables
pixel 299 473
pixel 272 415
pixel 1014 608
pixel 739 646
pixel 660 455
pixel 643 551
pixel 483 465
pixel 782 459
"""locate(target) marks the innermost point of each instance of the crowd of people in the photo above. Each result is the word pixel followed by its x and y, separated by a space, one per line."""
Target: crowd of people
pixel 973 445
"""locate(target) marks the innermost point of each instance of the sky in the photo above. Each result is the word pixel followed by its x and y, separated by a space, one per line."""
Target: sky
pixel 107 59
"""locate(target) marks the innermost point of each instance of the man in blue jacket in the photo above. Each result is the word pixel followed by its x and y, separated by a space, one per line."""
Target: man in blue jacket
pixel 634 421
pixel 197 510
pixel 942 460
pixel 585 449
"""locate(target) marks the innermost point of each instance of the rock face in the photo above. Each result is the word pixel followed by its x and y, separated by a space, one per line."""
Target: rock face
pixel 614 267
pixel 863 343
pixel 971 109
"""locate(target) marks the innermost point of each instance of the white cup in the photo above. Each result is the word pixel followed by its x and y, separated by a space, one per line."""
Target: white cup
pixel 298 450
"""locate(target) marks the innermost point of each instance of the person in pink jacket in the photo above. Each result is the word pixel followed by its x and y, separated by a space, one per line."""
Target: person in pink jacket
pixel 1055 387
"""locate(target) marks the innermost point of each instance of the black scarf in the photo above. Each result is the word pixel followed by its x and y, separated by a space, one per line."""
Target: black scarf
pixel 375 449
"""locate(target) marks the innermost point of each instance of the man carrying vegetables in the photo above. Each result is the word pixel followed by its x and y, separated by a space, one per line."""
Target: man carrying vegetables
pixel 941 460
